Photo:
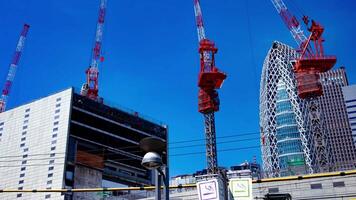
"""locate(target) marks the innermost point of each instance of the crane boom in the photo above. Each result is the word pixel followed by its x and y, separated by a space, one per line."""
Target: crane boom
pixel 291 22
pixel 90 88
pixel 13 67
pixel 199 20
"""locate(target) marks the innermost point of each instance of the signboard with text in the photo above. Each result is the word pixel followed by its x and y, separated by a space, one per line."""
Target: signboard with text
pixel 208 190
pixel 241 188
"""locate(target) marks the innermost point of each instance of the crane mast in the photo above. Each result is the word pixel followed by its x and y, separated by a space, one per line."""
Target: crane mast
pixel 210 79
pixel 13 67
pixel 307 67
pixel 90 88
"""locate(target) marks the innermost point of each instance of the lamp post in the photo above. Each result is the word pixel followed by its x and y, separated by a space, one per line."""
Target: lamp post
pixel 152 160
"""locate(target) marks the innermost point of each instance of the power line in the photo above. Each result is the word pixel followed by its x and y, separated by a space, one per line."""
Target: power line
pixel 224 142
pixel 222 150
pixel 219 137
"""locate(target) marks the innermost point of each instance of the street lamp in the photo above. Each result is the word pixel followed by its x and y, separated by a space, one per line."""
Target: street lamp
pixel 152 160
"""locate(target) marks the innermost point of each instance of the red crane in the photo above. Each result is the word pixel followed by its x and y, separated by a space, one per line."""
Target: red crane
pixel 307 67
pixel 13 67
pixel 210 79
pixel 90 88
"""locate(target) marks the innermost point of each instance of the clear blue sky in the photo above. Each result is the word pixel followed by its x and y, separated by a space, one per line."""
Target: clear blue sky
pixel 151 60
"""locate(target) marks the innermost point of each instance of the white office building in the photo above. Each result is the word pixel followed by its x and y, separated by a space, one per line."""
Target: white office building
pixel 33 143
pixel 350 102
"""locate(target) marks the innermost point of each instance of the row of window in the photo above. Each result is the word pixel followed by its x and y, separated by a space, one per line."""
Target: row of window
pixel 1 129
pixel 53 147
pixel 349 101
pixel 313 186
pixel 25 150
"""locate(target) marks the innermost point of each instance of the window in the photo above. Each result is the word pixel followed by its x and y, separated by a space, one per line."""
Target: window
pixel 20 188
pixel 1 128
pixel 56 123
pixel 54 135
pixel 19 195
pixel 0 134
pixel 2 123
pixel 22 145
pixel 58 99
pixel 56 117
pixel 23 139
pixel 57 111
pixel 27 110
pixel 21 181
pixel 339 184
pixel 24 133
pixel 22 175
pixel 47 196
pixel 49 182
pixel 26 121
pixel 25 156
pixel 52 154
pixel 58 105
pixel 50 175
pixel 24 127
pixel 316 186
pixel 55 129
pixel 53 148
pixel 23 168
pixel 54 141
pixel 273 190
pixel 25 150
pixel 51 161
pixel 50 168
pixel 24 162
pixel 27 115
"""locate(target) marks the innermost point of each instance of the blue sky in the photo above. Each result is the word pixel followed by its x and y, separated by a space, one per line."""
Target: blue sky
pixel 151 60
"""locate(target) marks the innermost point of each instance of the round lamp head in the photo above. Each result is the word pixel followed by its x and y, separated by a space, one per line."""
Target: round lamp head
pixel 151 160
pixel 153 144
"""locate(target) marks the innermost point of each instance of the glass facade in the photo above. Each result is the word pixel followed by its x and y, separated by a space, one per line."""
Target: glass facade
pixel 290 150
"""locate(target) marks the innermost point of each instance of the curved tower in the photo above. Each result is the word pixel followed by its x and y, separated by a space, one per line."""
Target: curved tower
pixel 284 143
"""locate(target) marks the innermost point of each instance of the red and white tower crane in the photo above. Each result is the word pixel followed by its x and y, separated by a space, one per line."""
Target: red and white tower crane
pixel 91 88
pixel 310 62
pixel 13 67
pixel 210 79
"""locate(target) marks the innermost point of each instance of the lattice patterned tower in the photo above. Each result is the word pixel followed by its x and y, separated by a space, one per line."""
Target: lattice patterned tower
pixel 284 141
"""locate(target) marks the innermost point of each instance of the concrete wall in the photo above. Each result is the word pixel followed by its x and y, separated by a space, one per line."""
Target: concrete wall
pixel 85 177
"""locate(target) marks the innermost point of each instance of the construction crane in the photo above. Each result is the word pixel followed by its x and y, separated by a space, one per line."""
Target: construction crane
pixel 90 88
pixel 210 79
pixel 13 67
pixel 310 62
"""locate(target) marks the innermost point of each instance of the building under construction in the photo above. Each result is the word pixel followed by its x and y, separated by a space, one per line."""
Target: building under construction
pixel 67 140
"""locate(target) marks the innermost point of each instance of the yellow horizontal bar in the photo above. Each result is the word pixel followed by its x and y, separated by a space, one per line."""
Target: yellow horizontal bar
pixel 319 175
pixel 288 178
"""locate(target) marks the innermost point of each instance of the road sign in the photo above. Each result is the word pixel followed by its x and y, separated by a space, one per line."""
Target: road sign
pixel 240 188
